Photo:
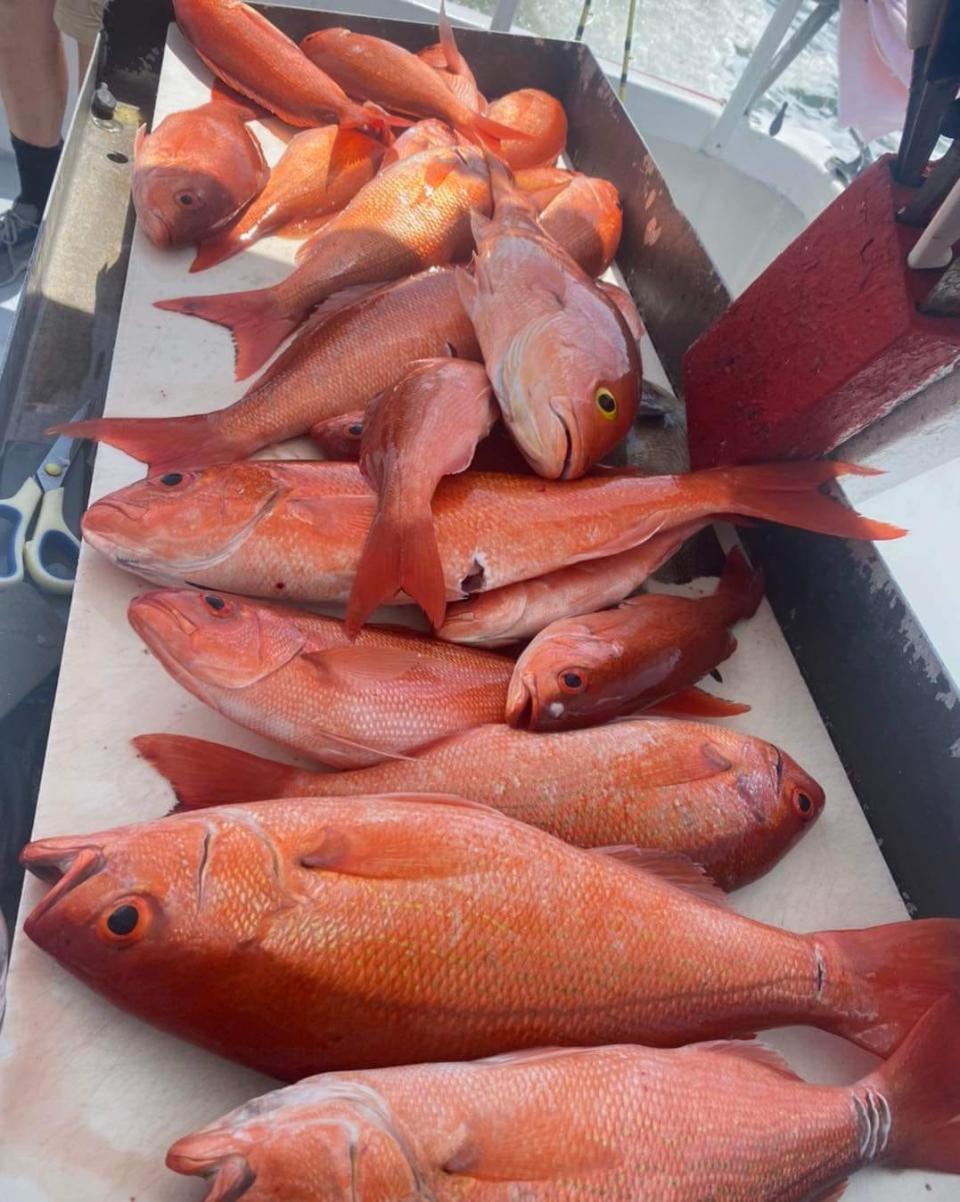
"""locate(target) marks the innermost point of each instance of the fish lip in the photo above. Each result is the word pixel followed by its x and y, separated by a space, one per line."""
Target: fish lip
pixel 523 704
pixel 154 600
pixel 64 868
pixel 229 1173
pixel 573 457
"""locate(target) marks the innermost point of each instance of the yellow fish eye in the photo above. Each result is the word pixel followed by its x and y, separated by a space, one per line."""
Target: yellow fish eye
pixel 606 403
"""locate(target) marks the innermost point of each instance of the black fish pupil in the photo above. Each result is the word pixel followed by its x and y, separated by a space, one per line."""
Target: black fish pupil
pixel 606 402
pixel 214 602
pixel 171 478
pixel 355 430
pixel 804 802
pixel 572 680
pixel 185 199
pixel 123 920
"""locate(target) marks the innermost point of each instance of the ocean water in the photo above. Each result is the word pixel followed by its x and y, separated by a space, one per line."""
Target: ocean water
pixel 704 44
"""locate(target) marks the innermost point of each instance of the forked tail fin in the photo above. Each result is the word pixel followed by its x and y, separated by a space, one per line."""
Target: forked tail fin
pixel 257 320
pixel 921 1085
pixel 787 493
pixel 208 774
pixel 399 555
pixel 878 983
pixel 162 443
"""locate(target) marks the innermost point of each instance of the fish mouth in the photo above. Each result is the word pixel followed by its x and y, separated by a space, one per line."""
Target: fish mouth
pixel 229 1173
pixel 523 704
pixel 573 465
pixel 154 603
pixel 62 865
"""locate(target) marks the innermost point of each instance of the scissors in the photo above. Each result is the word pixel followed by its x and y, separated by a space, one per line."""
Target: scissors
pixel 53 542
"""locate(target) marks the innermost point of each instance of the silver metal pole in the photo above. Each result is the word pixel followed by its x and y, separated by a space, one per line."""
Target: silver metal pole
pixel 584 17
pixel 503 14
pixel 627 46
pixel 804 35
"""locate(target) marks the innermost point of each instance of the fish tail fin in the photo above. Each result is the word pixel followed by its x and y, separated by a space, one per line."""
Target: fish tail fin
pixel 509 200
pixel 208 774
pixel 696 703
pixel 491 133
pixel 399 555
pixel 257 320
pixel 374 120
pixel 451 51
pixel 921 1083
pixel 159 442
pixel 878 983
pixel 740 589
pixel 789 493
pixel 214 251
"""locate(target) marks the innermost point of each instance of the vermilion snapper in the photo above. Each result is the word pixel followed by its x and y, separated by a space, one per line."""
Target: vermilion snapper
pixel 563 364
pixel 318 173
pixel 521 610
pixel 295 676
pixel 725 1121
pixel 588 669
pixel 414 214
pixel 586 219
pixel 195 172
pixel 340 437
pixel 372 68
pixel 253 56
pixel 537 115
pixel 732 803
pixel 296 529
pixel 307 934
pixel 425 427
pixel 347 353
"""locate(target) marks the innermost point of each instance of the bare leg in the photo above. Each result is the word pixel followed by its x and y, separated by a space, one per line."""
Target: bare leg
pixel 33 71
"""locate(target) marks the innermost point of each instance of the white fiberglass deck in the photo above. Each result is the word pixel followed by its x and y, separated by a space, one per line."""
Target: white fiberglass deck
pixel 91 1098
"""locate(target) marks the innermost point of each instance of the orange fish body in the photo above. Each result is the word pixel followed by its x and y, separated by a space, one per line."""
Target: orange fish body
pixel 727 1121
pixel 541 118
pixel 339 437
pixel 252 55
pixel 195 172
pixel 588 669
pixel 520 611
pixel 586 219
pixel 313 934
pixel 425 427
pixel 563 364
pixel 424 135
pixel 543 183
pixel 296 529
pixel 320 171
pixel 344 355
pixel 295 676
pixel 374 69
pixel 732 803
pixel 414 214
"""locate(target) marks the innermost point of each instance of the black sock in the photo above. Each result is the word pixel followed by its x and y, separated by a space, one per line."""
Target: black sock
pixel 36 166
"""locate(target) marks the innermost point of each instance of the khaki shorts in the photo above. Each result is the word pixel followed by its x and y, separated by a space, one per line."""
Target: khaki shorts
pixel 79 19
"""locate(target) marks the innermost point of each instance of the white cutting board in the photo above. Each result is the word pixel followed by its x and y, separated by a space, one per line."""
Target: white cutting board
pixel 90 1098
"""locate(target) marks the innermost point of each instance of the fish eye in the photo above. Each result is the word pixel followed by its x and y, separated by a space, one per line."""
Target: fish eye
pixel 124 922
pixel 186 199
pixel 606 403
pixel 171 479
pixel 216 603
pixel 570 681
pixel 356 429
pixel 803 804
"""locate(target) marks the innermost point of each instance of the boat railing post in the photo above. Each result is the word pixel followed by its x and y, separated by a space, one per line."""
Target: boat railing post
pixel 742 96
pixel 503 14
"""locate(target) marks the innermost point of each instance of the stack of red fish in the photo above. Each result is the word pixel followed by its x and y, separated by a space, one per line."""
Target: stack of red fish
pixel 489 871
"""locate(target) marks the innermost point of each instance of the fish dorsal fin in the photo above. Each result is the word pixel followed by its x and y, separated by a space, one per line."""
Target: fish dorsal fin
pixel 467 286
pixel 378 849
pixel 368 666
pixel 671 868
pixel 755 1052
pixel 456 63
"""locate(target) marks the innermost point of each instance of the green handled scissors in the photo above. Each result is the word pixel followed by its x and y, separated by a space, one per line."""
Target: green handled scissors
pixel 53 543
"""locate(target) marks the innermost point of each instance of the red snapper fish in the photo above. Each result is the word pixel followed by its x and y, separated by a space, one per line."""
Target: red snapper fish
pixel 303 935
pixel 732 803
pixel 425 427
pixel 586 219
pixel 584 670
pixel 413 215
pixel 564 366
pixel 320 171
pixel 729 1121
pixel 339 437
pixel 296 529
pixel 195 172
pixel 296 677
pixel 537 115
pixel 248 52
pixel 424 135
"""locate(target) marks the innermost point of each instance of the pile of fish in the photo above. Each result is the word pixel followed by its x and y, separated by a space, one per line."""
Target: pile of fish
pixel 495 930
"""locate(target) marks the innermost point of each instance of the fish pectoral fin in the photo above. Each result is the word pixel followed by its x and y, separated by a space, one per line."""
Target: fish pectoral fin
pixel 365 666
pixel 671 868
pixel 534 1149
pixel 342 518
pixel 757 1053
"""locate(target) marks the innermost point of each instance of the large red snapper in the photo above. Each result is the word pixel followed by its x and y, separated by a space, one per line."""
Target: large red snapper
pixel 296 677
pixel 725 1121
pixel 540 117
pixel 564 366
pixel 304 935
pixel 295 530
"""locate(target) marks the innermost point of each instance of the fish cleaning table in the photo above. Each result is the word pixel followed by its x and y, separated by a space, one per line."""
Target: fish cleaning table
pixel 91 1097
